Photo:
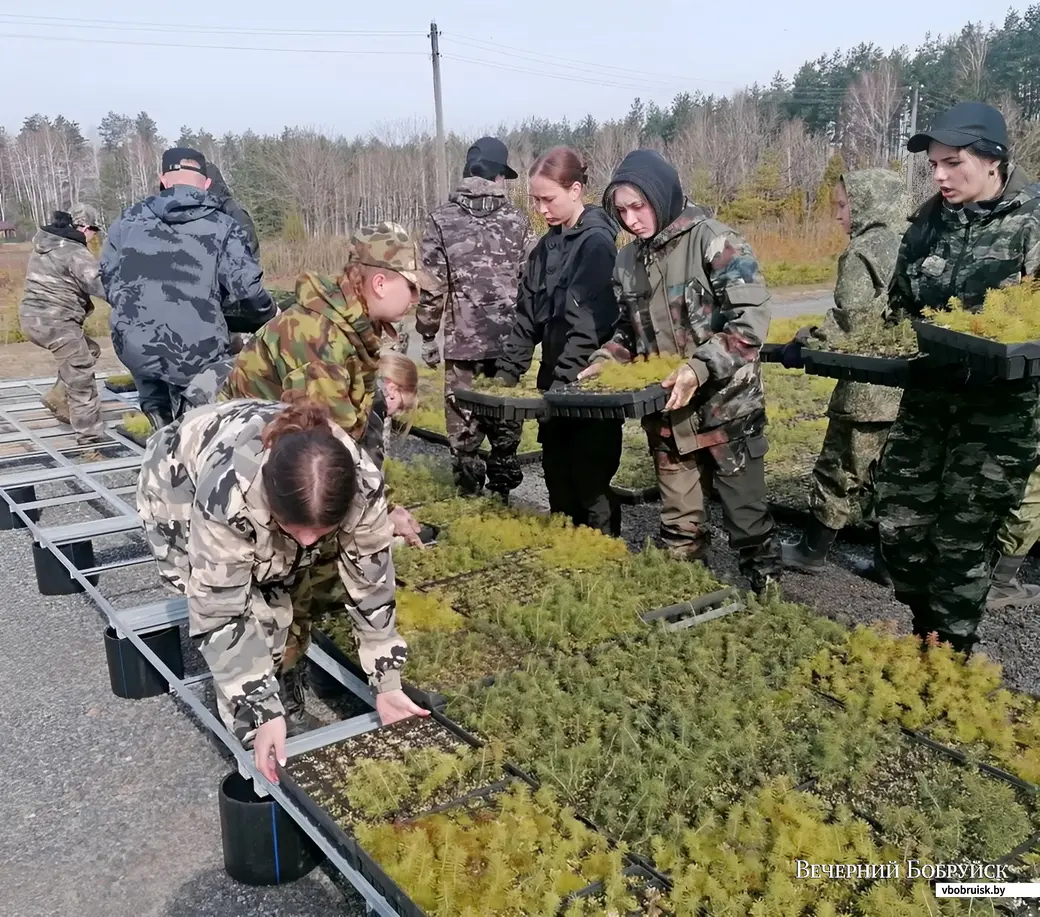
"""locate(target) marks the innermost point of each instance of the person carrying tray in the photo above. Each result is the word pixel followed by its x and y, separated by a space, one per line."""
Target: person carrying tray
pixel 961 450
pixel 566 302
pixel 691 285
pixel 262 515
pixel 872 208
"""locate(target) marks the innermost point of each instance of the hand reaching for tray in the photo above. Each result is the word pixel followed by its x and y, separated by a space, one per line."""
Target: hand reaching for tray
pixel 396 705
pixel 269 747
pixel 683 383
pixel 406 526
pixel 592 370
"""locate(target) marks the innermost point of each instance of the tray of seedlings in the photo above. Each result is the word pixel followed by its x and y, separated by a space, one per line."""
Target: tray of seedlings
pixel 620 390
pixel 875 353
pixel 1001 341
pixel 136 428
pixel 121 383
pixel 491 398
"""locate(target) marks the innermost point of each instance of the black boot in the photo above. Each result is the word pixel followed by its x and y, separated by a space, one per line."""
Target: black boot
pixel 1005 591
pixel 292 688
pixel 809 554
pixel 874 570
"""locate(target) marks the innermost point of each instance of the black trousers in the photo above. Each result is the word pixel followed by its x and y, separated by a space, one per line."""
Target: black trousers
pixel 579 459
pixel 157 396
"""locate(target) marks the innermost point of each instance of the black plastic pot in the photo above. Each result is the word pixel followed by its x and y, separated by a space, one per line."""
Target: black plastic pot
pixel 572 401
pixel 262 845
pixel 506 407
pixel 11 520
pixel 130 674
pixel 1007 362
pixel 52 578
pixel 890 371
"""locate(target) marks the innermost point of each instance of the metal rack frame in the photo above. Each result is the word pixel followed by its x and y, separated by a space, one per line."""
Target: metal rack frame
pixel 19 398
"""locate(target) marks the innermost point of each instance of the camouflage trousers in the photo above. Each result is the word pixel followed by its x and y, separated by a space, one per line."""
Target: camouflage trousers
pixel 843 476
pixel 735 473
pixel 466 433
pixel 955 465
pixel 1021 529
pixel 76 354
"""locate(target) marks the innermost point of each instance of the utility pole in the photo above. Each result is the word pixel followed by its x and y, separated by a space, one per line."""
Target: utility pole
pixel 440 151
pixel 913 130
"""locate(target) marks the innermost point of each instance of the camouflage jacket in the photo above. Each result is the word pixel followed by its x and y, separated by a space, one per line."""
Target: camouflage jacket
pixel 168 264
pixel 61 277
pixel 965 251
pixel 475 246
pixel 878 206
pixel 201 486
pixel 695 289
pixel 325 345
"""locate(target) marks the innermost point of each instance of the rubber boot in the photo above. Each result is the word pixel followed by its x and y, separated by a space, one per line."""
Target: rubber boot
pixel 809 553
pixel 1005 591
pixel 292 687
pixel 875 569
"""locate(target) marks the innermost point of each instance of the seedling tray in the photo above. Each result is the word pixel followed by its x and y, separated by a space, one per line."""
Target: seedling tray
pixel 120 387
pixel 641 878
pixel 696 611
pixel 573 401
pixel 890 371
pixel 142 441
pixel 1006 362
pixel 505 407
pixel 771 353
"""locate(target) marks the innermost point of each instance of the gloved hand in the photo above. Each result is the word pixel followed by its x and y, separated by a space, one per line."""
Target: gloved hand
pixel 431 354
pixel 791 355
pixel 504 378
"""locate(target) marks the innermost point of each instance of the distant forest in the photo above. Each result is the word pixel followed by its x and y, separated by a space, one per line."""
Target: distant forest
pixel 762 153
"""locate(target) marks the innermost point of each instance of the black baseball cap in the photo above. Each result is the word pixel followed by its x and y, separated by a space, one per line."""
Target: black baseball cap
pixel 492 151
pixel 172 160
pixel 961 126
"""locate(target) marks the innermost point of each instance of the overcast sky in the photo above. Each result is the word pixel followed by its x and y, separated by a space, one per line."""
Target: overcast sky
pixel 543 58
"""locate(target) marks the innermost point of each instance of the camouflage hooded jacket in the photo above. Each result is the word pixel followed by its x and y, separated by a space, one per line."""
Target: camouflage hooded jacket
pixel 475 246
pixel 878 206
pixel 325 345
pixel 61 277
pixel 695 289
pixel 965 251
pixel 202 500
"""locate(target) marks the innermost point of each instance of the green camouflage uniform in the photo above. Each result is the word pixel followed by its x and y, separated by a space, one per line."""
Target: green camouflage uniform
pixel 696 289
pixel 860 414
pixel 1021 529
pixel 326 345
pixel 252 590
pixel 62 276
pixel 960 452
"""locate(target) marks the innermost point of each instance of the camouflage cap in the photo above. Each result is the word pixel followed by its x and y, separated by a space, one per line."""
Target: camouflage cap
pixel 84 215
pixel 388 245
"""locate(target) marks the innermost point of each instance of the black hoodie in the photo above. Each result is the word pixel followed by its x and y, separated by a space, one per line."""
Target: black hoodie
pixel 656 179
pixel 566 300
pixel 218 189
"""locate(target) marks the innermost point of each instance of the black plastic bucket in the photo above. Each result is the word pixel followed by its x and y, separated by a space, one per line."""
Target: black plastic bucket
pixel 10 520
pixel 130 674
pixel 51 576
pixel 262 845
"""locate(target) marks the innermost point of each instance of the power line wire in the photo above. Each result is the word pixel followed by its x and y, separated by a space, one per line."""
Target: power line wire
pixel 568 77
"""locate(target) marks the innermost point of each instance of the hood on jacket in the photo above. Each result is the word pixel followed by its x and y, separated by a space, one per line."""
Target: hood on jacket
pixel 182 204
pixel 478 196
pixel 657 181
pixel 877 197
pixel 218 188
pixel 592 217
pixel 57 233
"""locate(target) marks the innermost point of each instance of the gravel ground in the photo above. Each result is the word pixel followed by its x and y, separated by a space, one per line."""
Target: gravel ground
pixel 111 805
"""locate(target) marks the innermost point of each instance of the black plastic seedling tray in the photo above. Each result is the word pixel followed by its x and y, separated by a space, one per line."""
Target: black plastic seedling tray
pixel 142 441
pixel 441 439
pixel 642 876
pixel 890 371
pixel 120 387
pixel 573 401
pixel 504 407
pixel 1006 362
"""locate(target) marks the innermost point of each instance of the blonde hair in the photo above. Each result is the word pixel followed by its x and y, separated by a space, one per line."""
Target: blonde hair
pixel 401 370
pixel 356 277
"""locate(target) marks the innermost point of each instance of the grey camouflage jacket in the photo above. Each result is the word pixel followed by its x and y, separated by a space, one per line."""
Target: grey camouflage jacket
pixel 61 277
pixel 202 500
pixel 167 265
pixel 696 289
pixel 878 206
pixel 476 246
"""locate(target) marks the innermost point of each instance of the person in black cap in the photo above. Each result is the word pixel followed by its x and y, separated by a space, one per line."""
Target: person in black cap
pixel 168 265
pixel 962 447
pixel 475 246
